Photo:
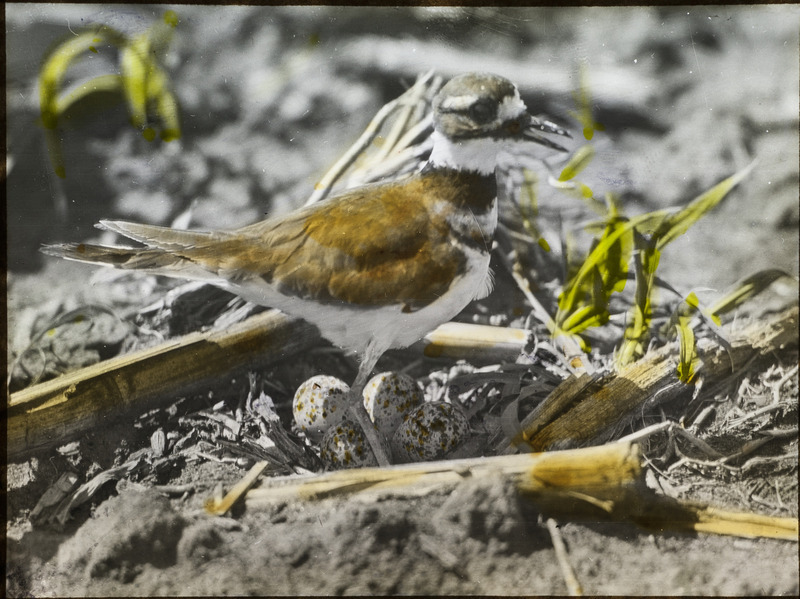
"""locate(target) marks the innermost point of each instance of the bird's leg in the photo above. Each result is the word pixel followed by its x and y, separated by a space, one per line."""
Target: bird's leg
pixel 359 411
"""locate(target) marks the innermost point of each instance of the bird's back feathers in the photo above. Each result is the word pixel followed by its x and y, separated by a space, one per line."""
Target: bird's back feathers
pixel 351 248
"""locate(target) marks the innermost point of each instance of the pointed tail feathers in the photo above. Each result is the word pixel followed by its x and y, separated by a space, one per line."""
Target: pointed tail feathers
pixel 162 254
pixel 148 259
pixel 157 237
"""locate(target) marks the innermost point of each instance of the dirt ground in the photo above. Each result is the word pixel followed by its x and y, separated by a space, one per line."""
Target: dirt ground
pixel 270 98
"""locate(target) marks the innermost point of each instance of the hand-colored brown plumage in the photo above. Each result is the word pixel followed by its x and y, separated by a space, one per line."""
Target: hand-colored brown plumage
pixel 373 268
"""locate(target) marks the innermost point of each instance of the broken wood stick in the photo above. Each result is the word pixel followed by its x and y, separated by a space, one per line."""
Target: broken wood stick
pixel 60 410
pixel 604 482
pixel 475 342
pixel 588 409
pixel 597 471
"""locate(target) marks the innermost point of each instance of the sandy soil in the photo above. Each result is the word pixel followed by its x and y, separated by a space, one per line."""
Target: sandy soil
pixel 269 99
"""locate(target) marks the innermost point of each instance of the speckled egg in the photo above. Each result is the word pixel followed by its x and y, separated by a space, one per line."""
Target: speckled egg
pixel 346 446
pixel 429 432
pixel 319 404
pixel 389 397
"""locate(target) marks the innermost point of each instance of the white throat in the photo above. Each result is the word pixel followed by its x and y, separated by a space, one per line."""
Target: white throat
pixel 478 154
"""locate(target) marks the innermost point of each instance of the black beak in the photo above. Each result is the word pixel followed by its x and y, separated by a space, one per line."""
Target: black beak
pixel 533 129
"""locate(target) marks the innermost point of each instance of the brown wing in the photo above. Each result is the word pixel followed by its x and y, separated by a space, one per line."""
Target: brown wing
pixel 374 246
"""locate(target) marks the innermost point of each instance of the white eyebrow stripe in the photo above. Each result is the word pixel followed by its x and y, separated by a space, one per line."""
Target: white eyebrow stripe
pixel 459 102
pixel 511 107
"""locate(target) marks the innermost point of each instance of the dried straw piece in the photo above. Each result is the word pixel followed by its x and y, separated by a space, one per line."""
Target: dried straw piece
pixel 220 508
pixel 411 95
pixel 60 410
pixel 605 482
pixel 573 586
pixel 597 471
pixel 472 342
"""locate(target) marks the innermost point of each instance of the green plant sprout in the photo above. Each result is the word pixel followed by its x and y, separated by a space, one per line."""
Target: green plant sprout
pixel 623 244
pixel 141 81
pixel 743 291
pixel 583 100
pixel 681 324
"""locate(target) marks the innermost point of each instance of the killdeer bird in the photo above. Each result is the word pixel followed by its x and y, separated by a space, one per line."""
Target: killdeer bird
pixel 373 268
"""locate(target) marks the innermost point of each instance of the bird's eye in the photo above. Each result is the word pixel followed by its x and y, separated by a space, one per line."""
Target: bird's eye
pixel 483 111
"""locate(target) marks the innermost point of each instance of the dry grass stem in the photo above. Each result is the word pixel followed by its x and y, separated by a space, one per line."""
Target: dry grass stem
pixel 323 188
pixel 220 508
pixel 596 482
pixel 573 586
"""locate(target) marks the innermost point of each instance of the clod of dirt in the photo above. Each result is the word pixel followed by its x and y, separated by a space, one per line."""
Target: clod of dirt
pixel 200 542
pixel 484 517
pixel 127 532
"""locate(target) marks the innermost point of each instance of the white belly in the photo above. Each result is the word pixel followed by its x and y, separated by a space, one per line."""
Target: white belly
pixel 353 327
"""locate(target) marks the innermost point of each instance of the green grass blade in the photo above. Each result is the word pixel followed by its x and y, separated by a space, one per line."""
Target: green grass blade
pixel 166 107
pixel 101 86
pixel 688 354
pixel 50 77
pixel 598 258
pixel 584 301
pixel 55 67
pixel 167 110
pixel 583 101
pixel 748 288
pixel 614 269
pixel 579 161
pixel 583 318
pixel 637 332
pixel 688 360
pixel 146 84
pixel 135 66
pixel 678 223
